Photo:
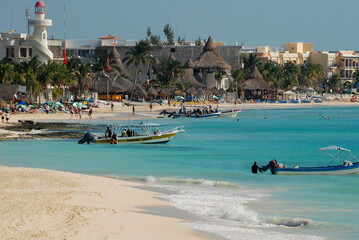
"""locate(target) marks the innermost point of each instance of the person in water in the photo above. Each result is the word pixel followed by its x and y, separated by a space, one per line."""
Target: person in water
pixel 256 168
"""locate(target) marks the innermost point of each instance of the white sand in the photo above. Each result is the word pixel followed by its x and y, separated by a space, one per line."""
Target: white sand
pixel 45 204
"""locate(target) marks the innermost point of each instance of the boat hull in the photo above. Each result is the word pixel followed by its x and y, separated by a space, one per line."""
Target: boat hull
pixel 143 139
pixel 230 114
pixel 210 115
pixel 331 170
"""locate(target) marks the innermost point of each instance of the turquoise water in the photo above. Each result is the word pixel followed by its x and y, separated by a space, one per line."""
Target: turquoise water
pixel 209 168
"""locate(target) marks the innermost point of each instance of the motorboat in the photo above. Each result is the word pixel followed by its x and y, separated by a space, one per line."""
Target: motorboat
pixel 141 133
pixel 230 113
pixel 342 162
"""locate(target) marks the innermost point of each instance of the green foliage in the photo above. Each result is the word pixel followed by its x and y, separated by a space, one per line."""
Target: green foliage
pixel 198 41
pixel 169 33
pixel 169 71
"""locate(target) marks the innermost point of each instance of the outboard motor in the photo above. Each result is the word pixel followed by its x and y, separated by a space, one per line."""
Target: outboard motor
pixel 88 137
pixel 271 165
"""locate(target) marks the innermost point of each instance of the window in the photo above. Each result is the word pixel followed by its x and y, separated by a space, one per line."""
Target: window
pixel 10 52
pixel 23 53
pixel 43 35
pixel 173 50
pixel 30 52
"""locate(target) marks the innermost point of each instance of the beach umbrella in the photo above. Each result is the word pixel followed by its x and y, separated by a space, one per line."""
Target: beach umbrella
pixel 164 92
pixel 152 92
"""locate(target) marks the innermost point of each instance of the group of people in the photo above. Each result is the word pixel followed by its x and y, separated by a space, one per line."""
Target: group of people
pixel 271 166
pixel 204 111
pixel 5 115
pixel 113 136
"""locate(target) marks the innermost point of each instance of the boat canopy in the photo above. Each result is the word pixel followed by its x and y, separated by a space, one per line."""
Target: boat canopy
pixel 334 147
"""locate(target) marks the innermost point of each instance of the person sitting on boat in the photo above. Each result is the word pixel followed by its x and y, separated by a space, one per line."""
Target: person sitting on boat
pixel 124 133
pixel 114 139
pixel 108 133
pixel 156 131
pixel 256 168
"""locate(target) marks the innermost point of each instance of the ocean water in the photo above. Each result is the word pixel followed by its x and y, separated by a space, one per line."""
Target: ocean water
pixel 208 168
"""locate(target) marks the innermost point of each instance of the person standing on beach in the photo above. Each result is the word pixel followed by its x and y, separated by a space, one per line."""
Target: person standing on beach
pixel 112 105
pixel 3 117
pixel 151 107
pixel 133 110
pixel 90 113
pixel 80 113
pixel 7 116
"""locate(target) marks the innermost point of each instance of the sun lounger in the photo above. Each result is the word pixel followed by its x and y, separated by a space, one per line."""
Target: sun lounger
pixel 305 101
pixel 293 101
pixel 318 101
pixel 281 101
pixel 270 101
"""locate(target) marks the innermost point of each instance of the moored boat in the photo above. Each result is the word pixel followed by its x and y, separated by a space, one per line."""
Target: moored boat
pixel 141 133
pixel 230 113
pixel 346 163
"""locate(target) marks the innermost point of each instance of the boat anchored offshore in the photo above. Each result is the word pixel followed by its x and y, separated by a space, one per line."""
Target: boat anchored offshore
pixel 343 162
pixel 141 133
pixel 230 113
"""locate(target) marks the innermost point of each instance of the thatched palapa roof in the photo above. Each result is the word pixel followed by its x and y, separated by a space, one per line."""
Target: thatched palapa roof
pixel 164 92
pixel 119 64
pixel 188 77
pixel 113 85
pixel 257 83
pixel 7 91
pixel 152 92
pixel 210 59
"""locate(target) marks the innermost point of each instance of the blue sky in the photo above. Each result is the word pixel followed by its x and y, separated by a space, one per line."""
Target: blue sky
pixel 329 24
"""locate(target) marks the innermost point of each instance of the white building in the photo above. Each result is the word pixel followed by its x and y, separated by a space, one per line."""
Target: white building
pixel 22 47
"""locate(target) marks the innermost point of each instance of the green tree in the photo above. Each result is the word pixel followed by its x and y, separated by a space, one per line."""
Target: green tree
pixel 249 61
pixel 219 75
pixel 169 33
pixel 333 82
pixel 139 54
pixel 238 76
pixel 170 71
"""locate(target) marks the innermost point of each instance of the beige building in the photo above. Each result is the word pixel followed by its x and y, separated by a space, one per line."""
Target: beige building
pixel 348 63
pixel 297 53
pixel 327 60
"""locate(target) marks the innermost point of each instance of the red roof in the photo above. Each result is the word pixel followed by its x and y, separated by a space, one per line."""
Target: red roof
pixel 40 4
pixel 108 37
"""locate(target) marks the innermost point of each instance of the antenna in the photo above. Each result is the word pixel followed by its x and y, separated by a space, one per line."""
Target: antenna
pixel 28 17
pixel 64 22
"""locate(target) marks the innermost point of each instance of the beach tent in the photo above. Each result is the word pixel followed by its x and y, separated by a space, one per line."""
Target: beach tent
pixel 288 95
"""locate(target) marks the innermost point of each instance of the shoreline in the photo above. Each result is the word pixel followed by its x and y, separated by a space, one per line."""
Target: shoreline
pixel 40 203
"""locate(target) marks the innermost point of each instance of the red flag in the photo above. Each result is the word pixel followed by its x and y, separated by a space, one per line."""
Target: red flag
pixel 65 59
pixel 108 63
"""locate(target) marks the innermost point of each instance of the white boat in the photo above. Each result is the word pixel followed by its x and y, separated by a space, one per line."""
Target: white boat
pixel 343 162
pixel 230 113
pixel 141 133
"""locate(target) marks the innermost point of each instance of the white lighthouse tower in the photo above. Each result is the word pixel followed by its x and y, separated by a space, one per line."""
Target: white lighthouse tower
pixel 39 37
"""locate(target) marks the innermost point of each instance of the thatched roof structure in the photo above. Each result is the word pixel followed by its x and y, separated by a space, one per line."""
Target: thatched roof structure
pixel 119 64
pixel 7 91
pixel 208 92
pixel 164 92
pixel 200 92
pixel 210 59
pixel 188 77
pixel 117 83
pixel 191 91
pixel 222 91
pixel 257 83
pixel 138 91
pixel 214 91
pixel 152 92
pixel 172 57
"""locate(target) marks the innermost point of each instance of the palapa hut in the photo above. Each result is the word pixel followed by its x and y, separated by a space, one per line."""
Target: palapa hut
pixel 117 58
pixel 164 93
pixel 9 91
pixel 207 63
pixel 188 77
pixel 152 93
pixel 107 84
pixel 256 88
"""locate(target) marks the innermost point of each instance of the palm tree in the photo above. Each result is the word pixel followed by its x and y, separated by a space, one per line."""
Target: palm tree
pixel 137 55
pixel 170 71
pixel 82 75
pixel 249 61
pixel 219 75
pixel 238 76
pixel 310 74
pixel 333 82
pixel 291 74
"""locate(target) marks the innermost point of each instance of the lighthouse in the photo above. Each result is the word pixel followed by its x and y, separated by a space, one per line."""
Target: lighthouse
pixel 39 37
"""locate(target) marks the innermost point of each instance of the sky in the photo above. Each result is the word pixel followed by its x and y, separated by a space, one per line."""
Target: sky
pixel 329 24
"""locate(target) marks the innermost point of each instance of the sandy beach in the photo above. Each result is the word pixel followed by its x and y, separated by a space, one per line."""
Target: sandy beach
pixel 44 204
pixel 142 111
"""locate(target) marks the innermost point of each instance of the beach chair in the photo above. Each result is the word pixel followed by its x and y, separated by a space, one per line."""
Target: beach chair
pixel 281 101
pixel 259 101
pixel 318 101
pixel 270 101
pixel 305 101
pixel 293 101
